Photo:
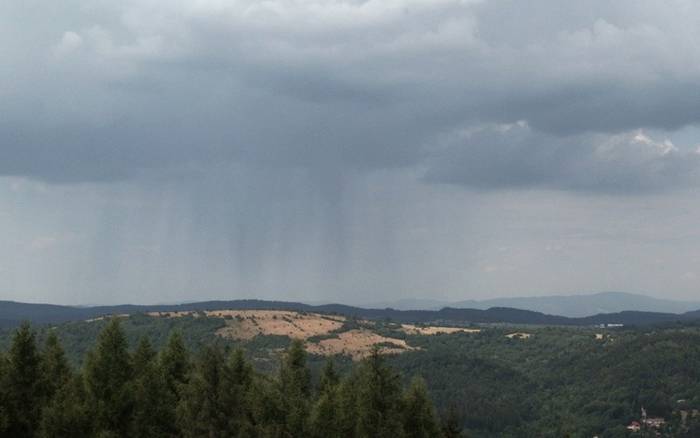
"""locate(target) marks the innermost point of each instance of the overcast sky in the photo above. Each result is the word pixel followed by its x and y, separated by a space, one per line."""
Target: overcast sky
pixel 348 150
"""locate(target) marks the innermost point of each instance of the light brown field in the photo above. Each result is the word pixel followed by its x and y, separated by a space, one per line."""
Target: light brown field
pixel 358 344
pixel 434 330
pixel 247 324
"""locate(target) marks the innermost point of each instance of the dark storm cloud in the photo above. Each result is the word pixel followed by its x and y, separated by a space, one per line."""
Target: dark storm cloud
pixel 514 156
pixel 155 150
pixel 107 91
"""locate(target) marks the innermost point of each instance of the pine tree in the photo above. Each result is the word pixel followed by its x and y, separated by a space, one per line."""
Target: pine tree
pixel 419 419
pixel 174 361
pixel 325 420
pixel 295 386
pixel 347 412
pixel 4 414
pixel 266 407
pixel 143 357
pixel 23 395
pixel 235 386
pixel 379 399
pixel 200 412
pixel 326 414
pixel 329 377
pixel 55 371
pixel 154 404
pixel 67 414
pixel 108 381
pixel 295 376
pixel 238 371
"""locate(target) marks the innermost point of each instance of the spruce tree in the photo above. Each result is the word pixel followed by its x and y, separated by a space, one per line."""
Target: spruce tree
pixel 379 399
pixel 238 371
pixel 329 378
pixel 200 412
pixel 419 419
pixel 295 386
pixel 347 393
pixel 154 404
pixel 325 418
pixel 4 414
pixel 108 381
pixel 174 361
pixel 23 395
pixel 67 414
pixel 143 357
pixel 235 386
pixel 55 371
pixel 266 407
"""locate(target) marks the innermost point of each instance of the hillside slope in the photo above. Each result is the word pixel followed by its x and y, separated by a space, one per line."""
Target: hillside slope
pixel 12 313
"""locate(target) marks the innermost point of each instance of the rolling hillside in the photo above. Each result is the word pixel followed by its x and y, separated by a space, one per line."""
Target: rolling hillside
pixel 12 313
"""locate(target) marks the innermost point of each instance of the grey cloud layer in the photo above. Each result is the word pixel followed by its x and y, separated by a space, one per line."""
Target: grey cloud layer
pixel 512 156
pixel 104 91
pixel 319 149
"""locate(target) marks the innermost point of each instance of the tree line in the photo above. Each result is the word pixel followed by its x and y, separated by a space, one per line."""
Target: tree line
pixel 214 393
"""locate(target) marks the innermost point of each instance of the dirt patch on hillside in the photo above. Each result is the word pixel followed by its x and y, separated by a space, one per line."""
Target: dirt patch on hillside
pixel 434 330
pixel 246 324
pixel 358 344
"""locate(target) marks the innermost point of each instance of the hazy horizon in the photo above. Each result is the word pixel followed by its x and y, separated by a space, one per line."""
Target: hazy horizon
pixel 320 150
pixel 355 303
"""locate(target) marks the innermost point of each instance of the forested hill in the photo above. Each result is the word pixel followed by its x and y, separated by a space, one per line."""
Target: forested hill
pixel 216 393
pixel 181 376
pixel 13 313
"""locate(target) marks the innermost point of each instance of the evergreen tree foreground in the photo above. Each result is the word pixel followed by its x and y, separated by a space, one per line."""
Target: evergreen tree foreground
pixel 168 393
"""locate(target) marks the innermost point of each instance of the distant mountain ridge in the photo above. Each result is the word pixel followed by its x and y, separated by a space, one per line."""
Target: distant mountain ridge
pixel 13 313
pixel 572 306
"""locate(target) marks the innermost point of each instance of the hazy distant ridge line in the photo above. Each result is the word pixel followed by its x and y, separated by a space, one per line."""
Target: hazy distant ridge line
pixel 12 313
pixel 573 306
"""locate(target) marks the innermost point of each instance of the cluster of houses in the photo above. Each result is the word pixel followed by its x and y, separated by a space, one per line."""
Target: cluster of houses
pixel 610 325
pixel 657 423
pixel 646 423
pixel 519 335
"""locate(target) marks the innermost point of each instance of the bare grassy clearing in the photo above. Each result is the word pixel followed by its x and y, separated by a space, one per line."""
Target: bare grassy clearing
pixel 246 324
pixel 358 343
